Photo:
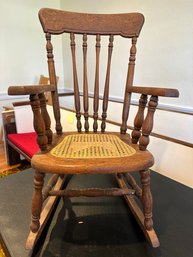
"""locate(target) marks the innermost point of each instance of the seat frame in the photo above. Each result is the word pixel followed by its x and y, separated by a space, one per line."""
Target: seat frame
pixel 55 22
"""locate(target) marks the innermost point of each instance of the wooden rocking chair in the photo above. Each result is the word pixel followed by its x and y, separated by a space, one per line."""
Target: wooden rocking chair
pixel 86 152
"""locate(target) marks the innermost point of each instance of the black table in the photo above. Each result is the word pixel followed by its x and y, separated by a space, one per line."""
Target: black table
pixel 85 227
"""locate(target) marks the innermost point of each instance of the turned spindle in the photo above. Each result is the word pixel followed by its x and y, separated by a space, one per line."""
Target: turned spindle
pixel 46 117
pixel 148 123
pixel 96 86
pixel 85 83
pixel 129 83
pixel 107 81
pixel 139 118
pixel 76 86
pixel 53 81
pixel 146 199
pixel 38 121
pixel 37 201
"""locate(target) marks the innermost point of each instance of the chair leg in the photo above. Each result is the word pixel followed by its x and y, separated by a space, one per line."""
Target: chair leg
pixel 37 201
pixel 45 214
pixel 146 199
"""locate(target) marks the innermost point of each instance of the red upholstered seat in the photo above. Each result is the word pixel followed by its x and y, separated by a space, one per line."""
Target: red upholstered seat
pixel 26 142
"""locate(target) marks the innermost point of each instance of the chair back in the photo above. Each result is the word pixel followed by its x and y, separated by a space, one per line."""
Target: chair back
pixel 55 22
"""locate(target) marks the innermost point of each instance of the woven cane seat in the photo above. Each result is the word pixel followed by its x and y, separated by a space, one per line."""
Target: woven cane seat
pixel 93 153
pixel 92 146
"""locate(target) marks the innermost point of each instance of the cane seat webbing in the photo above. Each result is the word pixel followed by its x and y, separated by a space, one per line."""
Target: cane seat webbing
pixel 92 146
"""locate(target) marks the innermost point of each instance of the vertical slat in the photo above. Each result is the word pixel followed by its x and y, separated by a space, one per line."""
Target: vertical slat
pixel 85 83
pixel 53 81
pixel 129 83
pixel 96 87
pixel 107 80
pixel 76 87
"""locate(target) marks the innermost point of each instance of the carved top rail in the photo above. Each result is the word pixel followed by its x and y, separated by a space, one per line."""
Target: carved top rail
pixel 57 22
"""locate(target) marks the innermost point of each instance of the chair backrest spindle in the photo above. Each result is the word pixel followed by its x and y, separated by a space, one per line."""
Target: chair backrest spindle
pixel 85 83
pixel 129 83
pixel 96 86
pixel 53 81
pixel 107 81
pixel 76 87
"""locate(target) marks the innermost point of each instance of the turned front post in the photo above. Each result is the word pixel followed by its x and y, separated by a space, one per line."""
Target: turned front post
pixel 38 121
pixel 148 123
pixel 139 118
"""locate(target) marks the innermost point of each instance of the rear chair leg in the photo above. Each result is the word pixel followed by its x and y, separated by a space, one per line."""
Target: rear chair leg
pixel 37 201
pixel 146 199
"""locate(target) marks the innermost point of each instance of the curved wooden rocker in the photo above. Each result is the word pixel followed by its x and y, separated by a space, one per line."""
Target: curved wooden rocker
pixel 137 212
pixel 93 152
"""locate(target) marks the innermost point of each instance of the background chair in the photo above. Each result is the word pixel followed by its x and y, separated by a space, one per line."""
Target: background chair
pixel 88 150
pixel 19 136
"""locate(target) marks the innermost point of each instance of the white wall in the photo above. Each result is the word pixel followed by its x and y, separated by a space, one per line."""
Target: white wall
pixel 22 46
pixel 165 52
pixel 22 42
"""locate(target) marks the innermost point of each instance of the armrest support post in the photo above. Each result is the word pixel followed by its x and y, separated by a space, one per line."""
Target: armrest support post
pixel 139 118
pixel 39 125
pixel 46 117
pixel 148 123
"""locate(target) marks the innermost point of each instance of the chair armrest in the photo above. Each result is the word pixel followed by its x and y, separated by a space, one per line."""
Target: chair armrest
pixel 30 90
pixel 155 91
pixel 20 103
pixel 143 127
